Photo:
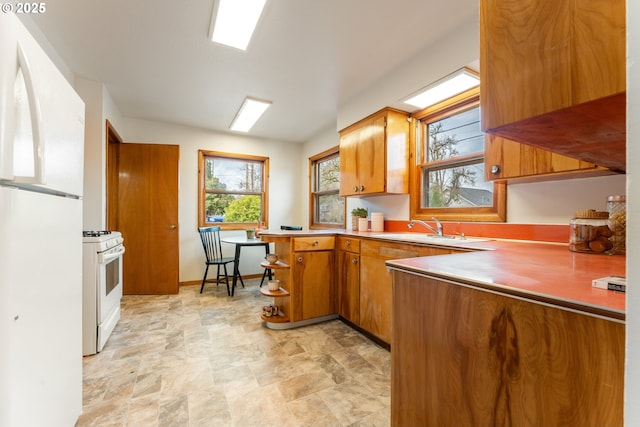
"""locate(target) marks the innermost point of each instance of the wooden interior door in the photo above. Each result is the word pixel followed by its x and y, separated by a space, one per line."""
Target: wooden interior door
pixel 147 216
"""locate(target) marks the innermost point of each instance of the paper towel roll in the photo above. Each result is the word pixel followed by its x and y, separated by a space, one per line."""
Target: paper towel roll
pixel 377 221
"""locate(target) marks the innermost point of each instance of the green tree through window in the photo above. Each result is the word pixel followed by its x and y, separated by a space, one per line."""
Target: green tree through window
pixel 232 189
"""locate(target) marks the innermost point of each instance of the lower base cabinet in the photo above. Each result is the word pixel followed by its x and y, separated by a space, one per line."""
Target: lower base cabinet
pixel 375 282
pixel 312 274
pixel 308 278
pixel 375 297
pixel 349 279
pixel 463 356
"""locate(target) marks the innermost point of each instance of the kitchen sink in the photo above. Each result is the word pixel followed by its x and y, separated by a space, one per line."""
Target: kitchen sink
pixel 446 240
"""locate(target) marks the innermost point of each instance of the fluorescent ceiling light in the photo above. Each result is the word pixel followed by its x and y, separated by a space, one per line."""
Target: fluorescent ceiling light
pixel 251 110
pixel 233 21
pixel 444 88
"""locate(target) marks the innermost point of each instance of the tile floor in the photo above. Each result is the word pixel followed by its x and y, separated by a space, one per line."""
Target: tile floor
pixel 206 360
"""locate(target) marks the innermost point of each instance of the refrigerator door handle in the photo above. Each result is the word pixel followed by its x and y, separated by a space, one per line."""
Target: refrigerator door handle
pixel 37 157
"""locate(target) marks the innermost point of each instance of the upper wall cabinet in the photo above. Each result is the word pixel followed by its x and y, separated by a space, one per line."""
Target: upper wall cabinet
pixel 553 75
pixel 507 160
pixel 374 155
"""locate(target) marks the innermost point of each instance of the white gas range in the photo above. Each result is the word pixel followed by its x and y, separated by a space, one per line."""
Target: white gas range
pixel 102 287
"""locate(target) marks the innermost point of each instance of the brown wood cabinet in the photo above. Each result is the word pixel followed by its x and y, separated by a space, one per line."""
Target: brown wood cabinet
pixel 466 356
pixel 374 155
pixel 349 279
pixel 313 276
pixel 508 160
pixel 309 279
pixel 553 75
pixel 375 282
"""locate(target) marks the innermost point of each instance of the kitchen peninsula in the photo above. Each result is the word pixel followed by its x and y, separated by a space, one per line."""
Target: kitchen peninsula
pixel 516 335
pixel 490 330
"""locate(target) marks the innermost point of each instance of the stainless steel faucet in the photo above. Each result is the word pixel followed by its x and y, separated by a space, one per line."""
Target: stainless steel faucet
pixel 437 231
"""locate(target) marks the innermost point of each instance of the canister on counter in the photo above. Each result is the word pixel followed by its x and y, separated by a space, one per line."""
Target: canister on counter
pixel 590 232
pixel 377 221
pixel 617 207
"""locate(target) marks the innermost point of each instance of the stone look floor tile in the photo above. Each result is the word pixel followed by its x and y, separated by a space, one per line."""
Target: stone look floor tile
pixel 199 360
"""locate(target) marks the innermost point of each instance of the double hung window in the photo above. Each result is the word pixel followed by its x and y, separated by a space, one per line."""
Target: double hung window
pixel 326 205
pixel 232 189
pixel 448 173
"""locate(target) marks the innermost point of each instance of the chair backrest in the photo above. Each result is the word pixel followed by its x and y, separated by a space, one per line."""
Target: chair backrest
pixel 210 237
pixel 290 227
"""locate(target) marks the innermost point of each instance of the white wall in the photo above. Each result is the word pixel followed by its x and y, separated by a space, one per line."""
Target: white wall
pixel 455 50
pixel 551 202
pixel 99 107
pixel 284 184
pixel 323 141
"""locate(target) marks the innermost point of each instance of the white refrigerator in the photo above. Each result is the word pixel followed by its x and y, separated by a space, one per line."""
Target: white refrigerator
pixel 41 177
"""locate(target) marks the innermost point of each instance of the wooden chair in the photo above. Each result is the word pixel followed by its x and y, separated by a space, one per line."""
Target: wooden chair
pixel 210 237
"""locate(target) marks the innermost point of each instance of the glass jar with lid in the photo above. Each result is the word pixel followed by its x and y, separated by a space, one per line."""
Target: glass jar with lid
pixel 590 232
pixel 617 207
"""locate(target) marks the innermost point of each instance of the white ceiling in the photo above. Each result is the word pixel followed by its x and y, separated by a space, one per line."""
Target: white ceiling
pixel 307 56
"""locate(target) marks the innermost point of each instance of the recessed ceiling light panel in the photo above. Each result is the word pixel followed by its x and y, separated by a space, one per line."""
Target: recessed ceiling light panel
pixel 249 113
pixel 444 88
pixel 233 21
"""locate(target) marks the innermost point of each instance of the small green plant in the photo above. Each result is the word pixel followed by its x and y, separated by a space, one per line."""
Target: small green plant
pixel 251 233
pixel 360 212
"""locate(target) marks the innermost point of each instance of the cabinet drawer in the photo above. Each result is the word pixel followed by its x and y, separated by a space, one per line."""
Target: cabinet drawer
pixel 349 244
pixel 387 250
pixel 313 243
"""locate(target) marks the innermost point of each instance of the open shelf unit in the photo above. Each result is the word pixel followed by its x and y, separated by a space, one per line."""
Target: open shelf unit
pixel 280 293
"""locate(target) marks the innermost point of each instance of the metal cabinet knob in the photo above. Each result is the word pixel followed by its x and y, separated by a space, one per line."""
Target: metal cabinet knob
pixel 172 227
pixel 495 169
pixel 348 243
pixel 354 261
pixel 299 259
pixel 355 189
pixel 362 188
pixel 316 243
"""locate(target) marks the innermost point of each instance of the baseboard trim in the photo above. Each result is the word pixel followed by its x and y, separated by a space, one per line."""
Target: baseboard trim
pixel 367 334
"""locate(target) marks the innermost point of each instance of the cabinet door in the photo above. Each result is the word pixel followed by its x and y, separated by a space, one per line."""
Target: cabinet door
pixel 349 286
pixel 375 282
pixel 314 279
pixel 375 297
pixel 599 62
pixel 371 156
pixel 349 162
pixel 525 59
pixel 540 57
pixel 515 160
pixel 374 154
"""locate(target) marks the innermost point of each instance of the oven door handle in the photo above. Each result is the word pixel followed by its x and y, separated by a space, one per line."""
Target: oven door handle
pixel 105 258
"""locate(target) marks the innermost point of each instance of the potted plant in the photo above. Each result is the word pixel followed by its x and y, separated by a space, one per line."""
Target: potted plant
pixel 355 214
pixel 251 233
